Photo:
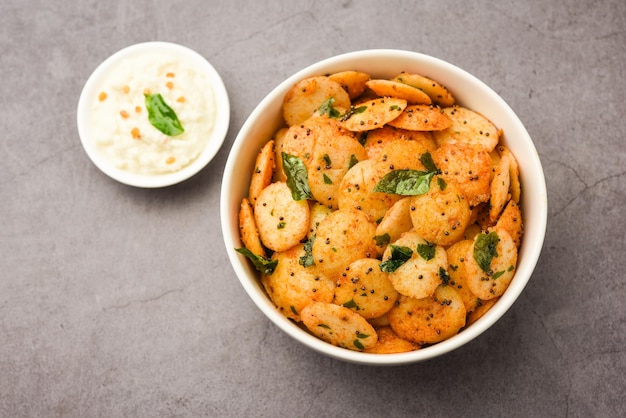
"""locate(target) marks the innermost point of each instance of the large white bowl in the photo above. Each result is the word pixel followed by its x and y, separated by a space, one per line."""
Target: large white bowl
pixel 214 142
pixel 468 91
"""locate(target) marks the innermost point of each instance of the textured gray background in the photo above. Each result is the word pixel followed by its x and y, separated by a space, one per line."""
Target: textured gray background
pixel 116 301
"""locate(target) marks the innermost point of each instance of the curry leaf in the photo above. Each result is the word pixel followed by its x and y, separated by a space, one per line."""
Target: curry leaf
pixel 353 161
pixel 442 183
pixel 297 177
pixel 485 249
pixel 497 274
pixel 427 161
pixel 351 304
pixel 426 251
pixel 382 240
pixel 161 116
pixel 405 182
pixel 399 256
pixel 264 265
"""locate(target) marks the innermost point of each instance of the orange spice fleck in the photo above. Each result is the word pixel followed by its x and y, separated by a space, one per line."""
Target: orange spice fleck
pixel 181 99
pixel 138 109
pixel 124 114
pixel 126 89
pixel 169 85
pixel 170 160
pixel 102 96
pixel 135 133
pixel 170 75
pixel 146 91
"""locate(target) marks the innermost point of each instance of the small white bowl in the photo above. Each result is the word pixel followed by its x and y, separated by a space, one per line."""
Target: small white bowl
pixel 217 135
pixel 468 91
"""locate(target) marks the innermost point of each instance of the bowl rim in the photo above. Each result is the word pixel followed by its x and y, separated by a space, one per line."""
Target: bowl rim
pixel 213 145
pixel 533 169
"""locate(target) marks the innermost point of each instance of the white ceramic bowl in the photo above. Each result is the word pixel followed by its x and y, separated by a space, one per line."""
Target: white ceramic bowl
pixel 468 91
pixel 215 141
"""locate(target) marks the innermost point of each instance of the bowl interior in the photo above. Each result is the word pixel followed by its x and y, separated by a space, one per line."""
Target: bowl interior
pixel 468 91
pixel 217 135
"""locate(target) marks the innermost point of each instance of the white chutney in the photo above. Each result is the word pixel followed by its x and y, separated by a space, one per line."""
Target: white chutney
pixel 118 117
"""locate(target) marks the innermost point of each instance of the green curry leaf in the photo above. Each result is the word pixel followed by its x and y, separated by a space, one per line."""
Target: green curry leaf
pixel 264 265
pixel 353 161
pixel 297 177
pixel 399 256
pixel 485 249
pixel 382 240
pixel 442 183
pixel 497 274
pixel 161 116
pixel 405 182
pixel 351 304
pixel 427 161
pixel 358 344
pixel 426 251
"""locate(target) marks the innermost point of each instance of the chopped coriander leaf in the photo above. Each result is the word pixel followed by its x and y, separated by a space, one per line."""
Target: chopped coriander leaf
pixel 353 111
pixel 327 160
pixel 443 274
pixel 328 109
pixel 307 259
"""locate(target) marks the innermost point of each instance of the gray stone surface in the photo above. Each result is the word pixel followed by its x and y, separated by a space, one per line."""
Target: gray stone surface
pixel 117 301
